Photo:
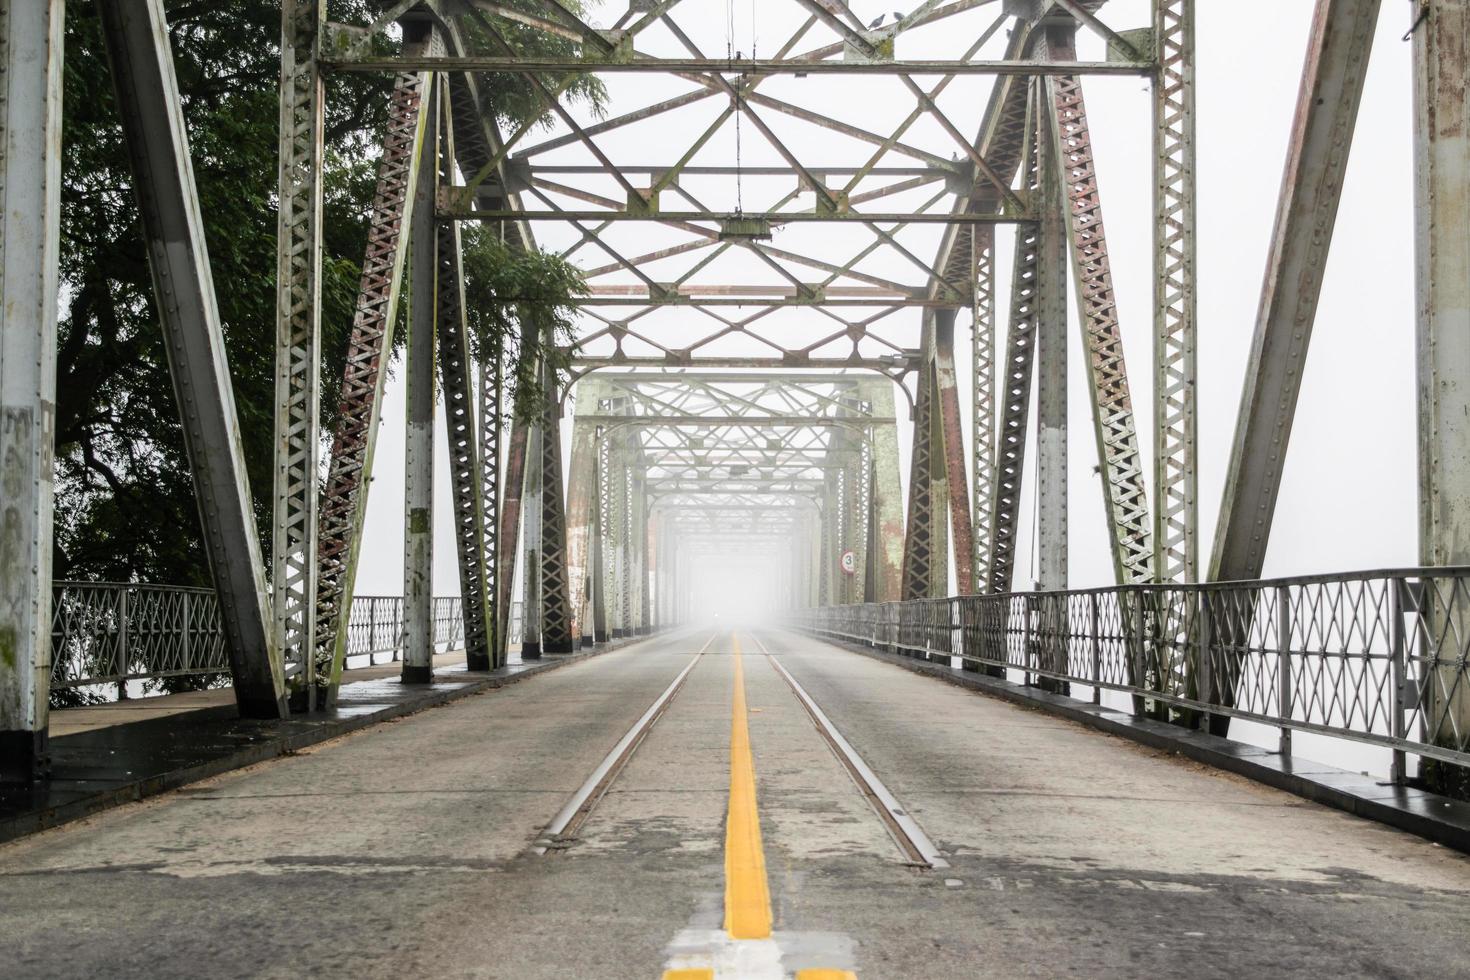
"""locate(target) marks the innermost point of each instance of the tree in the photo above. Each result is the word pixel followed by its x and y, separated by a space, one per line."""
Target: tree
pixel 124 499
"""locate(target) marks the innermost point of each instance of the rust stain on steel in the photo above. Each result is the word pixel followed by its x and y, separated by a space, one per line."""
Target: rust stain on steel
pixel 371 339
pixel 954 455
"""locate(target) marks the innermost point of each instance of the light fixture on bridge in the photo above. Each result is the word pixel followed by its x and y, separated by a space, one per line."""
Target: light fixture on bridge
pixel 740 228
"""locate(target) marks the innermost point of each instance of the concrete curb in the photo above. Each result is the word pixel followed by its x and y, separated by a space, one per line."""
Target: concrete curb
pixel 1437 818
pixel 270 740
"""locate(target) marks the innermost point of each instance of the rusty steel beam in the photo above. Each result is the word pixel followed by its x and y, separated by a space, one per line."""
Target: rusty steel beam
pixel 952 436
pixel 369 347
pixel 509 535
pixel 1125 495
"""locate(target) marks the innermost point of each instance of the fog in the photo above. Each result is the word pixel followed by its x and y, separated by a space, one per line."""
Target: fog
pixel 1355 424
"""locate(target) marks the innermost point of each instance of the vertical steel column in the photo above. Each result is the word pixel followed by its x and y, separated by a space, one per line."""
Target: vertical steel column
pixel 1051 375
pixel 956 479
pixel 582 507
pixel 136 35
pixel 640 545
pixel 30 186
pixel 1316 163
pixel 1442 239
pixel 597 552
pixel 556 611
pixel 508 538
pixel 418 495
pixel 298 347
pixel 1050 628
pixel 982 375
pixel 1176 507
pixel 344 502
pixel 466 486
pixel 1125 498
pixel 921 544
pixel 1019 363
pixel 492 385
pixel 886 496
pixel 531 527
pixel 626 573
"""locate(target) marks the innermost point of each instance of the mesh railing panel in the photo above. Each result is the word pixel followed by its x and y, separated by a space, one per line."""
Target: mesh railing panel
pixel 1378 657
pixel 110 633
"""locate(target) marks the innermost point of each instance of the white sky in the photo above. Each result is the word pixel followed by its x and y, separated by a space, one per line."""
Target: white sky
pixel 1348 499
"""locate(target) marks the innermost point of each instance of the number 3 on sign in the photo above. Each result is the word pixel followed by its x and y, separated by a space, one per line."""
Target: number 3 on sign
pixel 849 563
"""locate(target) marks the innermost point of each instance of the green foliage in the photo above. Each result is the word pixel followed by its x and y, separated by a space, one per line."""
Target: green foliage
pixel 124 499
pixel 520 305
pixel 516 102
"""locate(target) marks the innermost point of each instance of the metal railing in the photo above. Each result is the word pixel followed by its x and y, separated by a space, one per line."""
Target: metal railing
pixel 1375 657
pixel 113 633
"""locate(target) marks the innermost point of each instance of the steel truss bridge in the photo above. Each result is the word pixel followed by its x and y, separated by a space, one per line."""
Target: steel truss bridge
pixel 773 299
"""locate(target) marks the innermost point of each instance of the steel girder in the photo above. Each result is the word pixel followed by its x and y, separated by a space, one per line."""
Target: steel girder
pixel 419 397
pixel 492 423
pixel 693 455
pixel 982 406
pixel 344 499
pixel 584 549
pixel 456 374
pixel 298 346
pixel 1125 496
pixel 628 290
pixel 925 552
pixel 556 625
pixel 1327 110
pixel 951 434
pixel 1025 312
pixel 1442 273
pixel 30 111
pixel 136 36
pixel 1050 341
pixel 1175 424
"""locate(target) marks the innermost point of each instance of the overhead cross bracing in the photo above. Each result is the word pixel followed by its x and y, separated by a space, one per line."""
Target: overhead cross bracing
pixel 792 211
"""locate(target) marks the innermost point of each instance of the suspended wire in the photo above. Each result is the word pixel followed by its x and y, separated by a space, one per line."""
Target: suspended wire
pixel 739 108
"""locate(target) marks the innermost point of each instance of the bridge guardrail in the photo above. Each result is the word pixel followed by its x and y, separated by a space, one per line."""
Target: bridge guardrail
pixel 1378 657
pixel 114 632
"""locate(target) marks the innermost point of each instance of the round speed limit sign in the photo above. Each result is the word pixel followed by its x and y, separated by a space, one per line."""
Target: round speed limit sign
pixel 849 563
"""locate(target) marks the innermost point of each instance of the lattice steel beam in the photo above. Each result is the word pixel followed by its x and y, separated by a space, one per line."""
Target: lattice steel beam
pixel 492 422
pixel 556 615
pixel 956 479
pixel 982 418
pixel 1125 496
pixel 298 347
pixel 923 529
pixel 466 475
pixel 370 346
pixel 1176 506
pixel 1016 387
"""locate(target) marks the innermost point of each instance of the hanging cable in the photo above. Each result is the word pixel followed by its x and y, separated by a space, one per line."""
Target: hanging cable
pixel 730 54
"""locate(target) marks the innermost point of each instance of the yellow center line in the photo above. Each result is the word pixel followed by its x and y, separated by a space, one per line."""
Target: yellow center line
pixel 747 893
pixel 747 896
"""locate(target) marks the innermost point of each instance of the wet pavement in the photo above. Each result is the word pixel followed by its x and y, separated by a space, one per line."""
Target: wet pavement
pixel 407 849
